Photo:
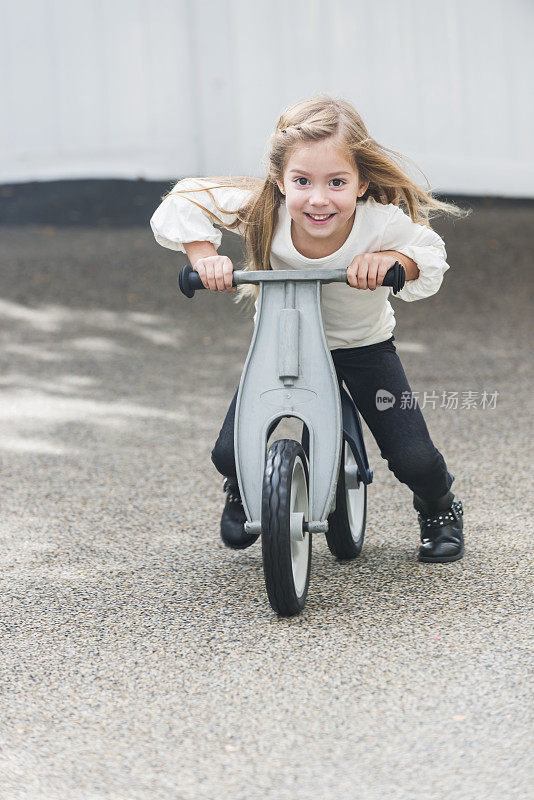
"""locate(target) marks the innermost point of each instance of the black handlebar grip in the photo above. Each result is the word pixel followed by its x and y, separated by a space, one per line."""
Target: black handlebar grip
pixel 395 277
pixel 189 281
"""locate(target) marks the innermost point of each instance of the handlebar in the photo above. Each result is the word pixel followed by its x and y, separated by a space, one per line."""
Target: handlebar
pixel 189 281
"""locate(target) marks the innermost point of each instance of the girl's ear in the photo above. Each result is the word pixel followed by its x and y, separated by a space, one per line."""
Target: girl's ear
pixel 280 186
pixel 363 188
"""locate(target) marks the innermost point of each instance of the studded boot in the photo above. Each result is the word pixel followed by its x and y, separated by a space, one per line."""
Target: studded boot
pixel 441 523
pixel 233 518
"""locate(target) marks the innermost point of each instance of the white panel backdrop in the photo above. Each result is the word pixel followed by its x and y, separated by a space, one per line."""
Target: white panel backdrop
pixel 165 88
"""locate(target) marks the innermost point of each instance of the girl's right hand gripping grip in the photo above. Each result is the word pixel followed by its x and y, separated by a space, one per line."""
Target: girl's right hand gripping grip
pixel 189 280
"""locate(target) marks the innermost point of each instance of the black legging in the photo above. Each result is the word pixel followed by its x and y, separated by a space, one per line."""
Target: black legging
pixel 400 433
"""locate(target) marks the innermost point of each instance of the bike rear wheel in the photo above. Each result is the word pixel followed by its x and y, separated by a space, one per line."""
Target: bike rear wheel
pixel 286 547
pixel 346 524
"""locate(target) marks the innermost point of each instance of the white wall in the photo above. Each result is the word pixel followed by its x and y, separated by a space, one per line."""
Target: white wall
pixel 165 88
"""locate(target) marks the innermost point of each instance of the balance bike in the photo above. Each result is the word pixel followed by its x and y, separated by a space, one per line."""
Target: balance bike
pixel 292 491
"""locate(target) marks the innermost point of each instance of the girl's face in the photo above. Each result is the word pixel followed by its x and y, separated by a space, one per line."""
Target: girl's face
pixel 321 188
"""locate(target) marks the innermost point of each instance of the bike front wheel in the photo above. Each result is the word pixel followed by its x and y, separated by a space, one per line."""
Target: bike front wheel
pixel 286 547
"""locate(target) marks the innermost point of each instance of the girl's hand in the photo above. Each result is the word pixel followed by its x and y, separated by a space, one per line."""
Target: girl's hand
pixel 216 273
pixel 368 269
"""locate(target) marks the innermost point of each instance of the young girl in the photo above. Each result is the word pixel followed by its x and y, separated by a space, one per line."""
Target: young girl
pixel 331 198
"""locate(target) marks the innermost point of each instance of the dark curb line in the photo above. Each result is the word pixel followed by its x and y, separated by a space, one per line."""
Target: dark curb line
pixel 122 202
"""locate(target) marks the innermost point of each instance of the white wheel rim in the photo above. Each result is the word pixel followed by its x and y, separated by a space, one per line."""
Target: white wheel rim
pixel 299 550
pixel 355 499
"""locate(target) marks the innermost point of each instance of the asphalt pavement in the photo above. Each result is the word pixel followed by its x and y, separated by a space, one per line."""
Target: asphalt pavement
pixel 139 658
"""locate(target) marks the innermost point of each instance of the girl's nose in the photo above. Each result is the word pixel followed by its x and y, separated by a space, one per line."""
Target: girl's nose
pixel 318 197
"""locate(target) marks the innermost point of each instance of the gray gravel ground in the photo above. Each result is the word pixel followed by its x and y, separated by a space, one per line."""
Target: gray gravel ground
pixel 140 659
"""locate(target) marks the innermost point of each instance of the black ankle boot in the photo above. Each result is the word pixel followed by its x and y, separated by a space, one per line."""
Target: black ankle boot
pixel 441 524
pixel 233 519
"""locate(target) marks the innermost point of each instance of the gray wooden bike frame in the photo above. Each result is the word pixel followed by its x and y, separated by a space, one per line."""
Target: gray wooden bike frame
pixel 289 372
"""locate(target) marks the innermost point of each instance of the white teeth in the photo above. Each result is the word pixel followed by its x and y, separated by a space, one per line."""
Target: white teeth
pixel 319 216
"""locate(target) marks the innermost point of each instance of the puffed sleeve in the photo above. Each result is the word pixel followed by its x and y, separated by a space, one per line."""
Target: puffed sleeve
pixel 177 220
pixel 421 244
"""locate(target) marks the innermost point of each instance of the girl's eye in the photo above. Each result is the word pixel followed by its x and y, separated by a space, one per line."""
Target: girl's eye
pixel 339 182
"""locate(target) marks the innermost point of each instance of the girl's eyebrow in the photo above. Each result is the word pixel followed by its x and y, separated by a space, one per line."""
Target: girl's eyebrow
pixel 303 172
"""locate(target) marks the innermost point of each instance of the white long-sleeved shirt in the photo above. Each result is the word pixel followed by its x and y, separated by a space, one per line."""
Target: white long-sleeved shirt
pixel 352 317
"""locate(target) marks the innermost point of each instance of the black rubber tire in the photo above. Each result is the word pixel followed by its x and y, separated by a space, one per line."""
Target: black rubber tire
pixel 339 535
pixel 275 528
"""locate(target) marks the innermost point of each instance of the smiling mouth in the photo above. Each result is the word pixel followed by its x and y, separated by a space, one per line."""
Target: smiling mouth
pixel 319 217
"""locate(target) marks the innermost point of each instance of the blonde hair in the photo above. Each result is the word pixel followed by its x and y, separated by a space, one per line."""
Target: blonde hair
pixel 319 117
